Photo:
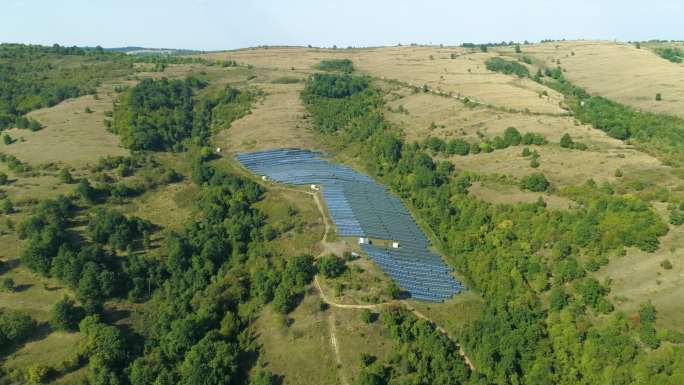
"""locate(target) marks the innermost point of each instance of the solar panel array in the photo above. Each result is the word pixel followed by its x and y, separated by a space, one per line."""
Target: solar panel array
pixel 360 207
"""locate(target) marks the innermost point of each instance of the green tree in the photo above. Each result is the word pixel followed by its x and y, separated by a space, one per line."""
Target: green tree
pixel 512 136
pixel 66 315
pixel 535 182
pixel 658 97
pixel 368 316
pixel 331 266
pixel 263 378
pixel 7 139
pixel 8 284
pixel 647 312
pixel 211 361
pixel 526 152
pixel 458 147
pixel 64 176
pixel 7 206
pixel 3 178
pixel 15 326
pixel 648 335
pixel 566 141
pixel 666 264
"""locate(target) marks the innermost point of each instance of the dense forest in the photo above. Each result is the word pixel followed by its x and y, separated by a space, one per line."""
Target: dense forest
pixel 160 115
pixel 529 263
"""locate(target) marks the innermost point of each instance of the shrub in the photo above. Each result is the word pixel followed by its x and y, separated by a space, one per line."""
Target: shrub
pixel 335 86
pixel 672 54
pixel 458 147
pixel 676 217
pixel 65 176
pixel 647 335
pixel 658 97
pixel 512 136
pixel 497 64
pixel 536 182
pixel 368 316
pixel 3 178
pixel 8 284
pixel 532 138
pixel 7 139
pixel 526 152
pixel 647 312
pixel 366 359
pixel 566 141
pixel 342 65
pixel 534 163
pixel 331 266
pixel 7 206
pixel 263 378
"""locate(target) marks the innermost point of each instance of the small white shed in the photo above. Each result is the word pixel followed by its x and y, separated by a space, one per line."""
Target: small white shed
pixel 395 245
pixel 363 241
pixel 315 187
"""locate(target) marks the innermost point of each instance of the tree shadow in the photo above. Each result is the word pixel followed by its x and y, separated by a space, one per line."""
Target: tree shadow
pixel 112 316
pixel 22 287
pixel 9 265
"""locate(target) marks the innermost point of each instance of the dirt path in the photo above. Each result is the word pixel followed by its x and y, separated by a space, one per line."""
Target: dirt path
pixel 324 298
pixel 317 199
pixel 344 306
pixel 336 349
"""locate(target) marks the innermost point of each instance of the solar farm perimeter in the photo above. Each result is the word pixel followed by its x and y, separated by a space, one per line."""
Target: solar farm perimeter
pixel 362 208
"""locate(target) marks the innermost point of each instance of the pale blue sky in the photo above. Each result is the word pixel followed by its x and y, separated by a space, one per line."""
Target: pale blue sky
pixel 214 25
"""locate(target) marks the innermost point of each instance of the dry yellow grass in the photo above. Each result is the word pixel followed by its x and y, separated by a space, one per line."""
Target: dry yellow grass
pixel 464 75
pixel 168 206
pixel 506 194
pixel 298 234
pixel 275 121
pixel 618 71
pixel 52 350
pixel 71 136
pixel 34 294
pixel 355 337
pixel 568 167
pixel 301 352
pixel 454 119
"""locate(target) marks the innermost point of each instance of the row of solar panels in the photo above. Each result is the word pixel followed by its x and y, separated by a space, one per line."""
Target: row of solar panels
pixel 361 207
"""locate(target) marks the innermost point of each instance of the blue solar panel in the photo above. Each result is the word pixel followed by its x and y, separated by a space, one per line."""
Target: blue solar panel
pixel 360 207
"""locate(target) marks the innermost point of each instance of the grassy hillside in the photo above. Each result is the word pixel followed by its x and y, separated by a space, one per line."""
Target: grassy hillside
pixel 568 238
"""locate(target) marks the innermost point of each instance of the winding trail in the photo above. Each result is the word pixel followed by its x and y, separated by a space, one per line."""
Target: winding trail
pixel 328 301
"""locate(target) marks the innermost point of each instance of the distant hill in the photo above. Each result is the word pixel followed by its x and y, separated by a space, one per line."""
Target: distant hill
pixel 132 50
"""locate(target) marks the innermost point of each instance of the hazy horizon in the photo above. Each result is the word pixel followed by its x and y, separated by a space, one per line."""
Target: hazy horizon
pixel 214 25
